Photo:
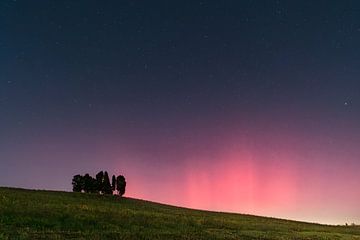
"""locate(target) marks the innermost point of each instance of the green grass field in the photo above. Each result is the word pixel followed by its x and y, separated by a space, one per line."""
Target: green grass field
pixel 29 214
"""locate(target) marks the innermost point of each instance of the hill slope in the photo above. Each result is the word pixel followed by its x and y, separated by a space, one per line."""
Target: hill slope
pixel 28 214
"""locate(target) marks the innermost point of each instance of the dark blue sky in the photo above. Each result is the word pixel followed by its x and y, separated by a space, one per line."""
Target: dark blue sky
pixel 147 85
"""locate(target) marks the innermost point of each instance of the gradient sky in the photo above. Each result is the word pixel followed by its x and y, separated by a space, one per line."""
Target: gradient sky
pixel 242 106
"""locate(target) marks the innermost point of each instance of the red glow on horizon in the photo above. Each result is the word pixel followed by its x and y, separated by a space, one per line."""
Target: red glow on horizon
pixel 239 184
pixel 277 180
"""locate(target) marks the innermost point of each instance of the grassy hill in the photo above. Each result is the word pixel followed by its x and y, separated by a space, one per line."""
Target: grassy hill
pixel 29 214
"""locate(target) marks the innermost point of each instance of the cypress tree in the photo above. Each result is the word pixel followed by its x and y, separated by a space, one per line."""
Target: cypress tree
pixel 107 186
pixel 100 182
pixel 89 184
pixel 120 184
pixel 113 183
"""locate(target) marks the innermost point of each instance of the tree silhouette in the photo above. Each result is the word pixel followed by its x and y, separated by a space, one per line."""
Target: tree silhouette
pixel 93 185
pixel 113 183
pixel 107 186
pixel 88 183
pixel 120 184
pixel 78 183
pixel 100 182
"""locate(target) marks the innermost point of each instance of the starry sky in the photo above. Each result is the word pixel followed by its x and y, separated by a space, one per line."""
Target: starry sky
pixel 243 106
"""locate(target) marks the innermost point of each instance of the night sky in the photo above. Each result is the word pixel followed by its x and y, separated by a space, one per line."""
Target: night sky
pixel 242 106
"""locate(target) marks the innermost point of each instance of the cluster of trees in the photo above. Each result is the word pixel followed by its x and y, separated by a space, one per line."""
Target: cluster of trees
pixel 99 184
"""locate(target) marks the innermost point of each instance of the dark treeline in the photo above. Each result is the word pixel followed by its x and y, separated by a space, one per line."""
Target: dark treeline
pixel 99 184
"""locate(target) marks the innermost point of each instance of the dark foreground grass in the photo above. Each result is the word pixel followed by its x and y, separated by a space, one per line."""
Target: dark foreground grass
pixel 28 214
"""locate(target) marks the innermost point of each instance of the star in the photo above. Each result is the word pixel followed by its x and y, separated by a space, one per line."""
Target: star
pixel 347 103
